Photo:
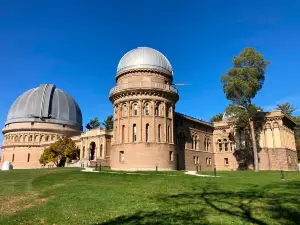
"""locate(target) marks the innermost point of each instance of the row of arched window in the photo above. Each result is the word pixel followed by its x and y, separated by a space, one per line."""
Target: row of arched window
pixel 147 133
pixel 158 110
pixel 224 145
pixel 83 154
pixel 29 138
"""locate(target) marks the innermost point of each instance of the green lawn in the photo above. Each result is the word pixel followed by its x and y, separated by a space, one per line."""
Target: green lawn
pixel 68 196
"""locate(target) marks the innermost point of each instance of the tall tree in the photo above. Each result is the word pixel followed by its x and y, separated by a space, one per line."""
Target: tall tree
pixel 62 149
pixel 286 108
pixel 108 123
pixel 241 84
pixel 94 123
pixel 216 118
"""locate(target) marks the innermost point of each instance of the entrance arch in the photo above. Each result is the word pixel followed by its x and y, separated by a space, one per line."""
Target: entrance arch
pixel 92 151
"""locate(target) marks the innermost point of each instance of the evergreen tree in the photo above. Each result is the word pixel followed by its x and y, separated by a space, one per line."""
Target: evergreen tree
pixel 241 84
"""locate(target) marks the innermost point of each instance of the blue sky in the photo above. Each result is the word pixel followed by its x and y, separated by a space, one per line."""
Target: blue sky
pixel 78 44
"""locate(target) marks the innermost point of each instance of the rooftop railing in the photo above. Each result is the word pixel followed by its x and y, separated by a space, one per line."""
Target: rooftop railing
pixel 142 85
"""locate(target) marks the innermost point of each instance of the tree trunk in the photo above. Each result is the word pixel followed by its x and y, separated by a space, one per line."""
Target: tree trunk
pixel 255 155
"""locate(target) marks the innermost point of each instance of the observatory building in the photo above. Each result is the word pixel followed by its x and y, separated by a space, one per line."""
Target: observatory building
pixel 147 132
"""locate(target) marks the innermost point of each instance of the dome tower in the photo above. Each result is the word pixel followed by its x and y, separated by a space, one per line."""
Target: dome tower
pixel 38 117
pixel 144 102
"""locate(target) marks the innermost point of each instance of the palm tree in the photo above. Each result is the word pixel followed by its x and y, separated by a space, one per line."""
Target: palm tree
pixel 108 123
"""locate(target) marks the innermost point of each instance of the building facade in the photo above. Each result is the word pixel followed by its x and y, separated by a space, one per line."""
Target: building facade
pixel 147 131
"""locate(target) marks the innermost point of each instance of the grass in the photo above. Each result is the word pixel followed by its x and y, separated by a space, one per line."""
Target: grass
pixel 68 196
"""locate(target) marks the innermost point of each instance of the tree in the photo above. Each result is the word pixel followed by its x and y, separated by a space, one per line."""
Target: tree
pixel 241 84
pixel 216 118
pixel 108 123
pixel 94 123
pixel 286 108
pixel 64 149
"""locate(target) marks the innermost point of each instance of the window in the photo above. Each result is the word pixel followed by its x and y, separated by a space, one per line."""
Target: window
pixel 195 142
pixel 198 160
pixel 135 109
pixel 290 160
pixel 226 147
pixel 123 133
pixel 134 133
pixel 157 110
pixel 192 142
pixel 208 161
pixel 226 162
pixel 168 134
pixel 83 152
pixel 47 138
pixel 147 113
pixel 147 132
pixel 124 111
pixel 13 158
pixel 195 160
pixel 171 156
pixel 28 157
pixel 231 147
pixel 167 111
pixel 30 138
pixel 101 150
pixel 121 156
pixel 220 145
pixel 158 133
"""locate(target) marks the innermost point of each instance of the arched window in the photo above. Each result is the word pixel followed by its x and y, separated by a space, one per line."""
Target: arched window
pixel 124 111
pixel 225 145
pixel 135 109
pixel 134 133
pixel 167 111
pixel 28 157
pixel 159 133
pixel 147 112
pixel 123 133
pixel 157 110
pixel 13 158
pixel 83 152
pixel 192 142
pixel 101 150
pixel 147 132
pixel 220 145
pixel 168 134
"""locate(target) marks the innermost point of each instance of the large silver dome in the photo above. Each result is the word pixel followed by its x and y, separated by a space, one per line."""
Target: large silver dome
pixel 147 58
pixel 45 103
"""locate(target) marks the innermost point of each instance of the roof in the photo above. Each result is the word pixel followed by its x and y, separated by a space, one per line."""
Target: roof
pixel 194 119
pixel 45 103
pixel 147 58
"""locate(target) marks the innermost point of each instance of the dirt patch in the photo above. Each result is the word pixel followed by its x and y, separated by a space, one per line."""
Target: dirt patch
pixel 13 204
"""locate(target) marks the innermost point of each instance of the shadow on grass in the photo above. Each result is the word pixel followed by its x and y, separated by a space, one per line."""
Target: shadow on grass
pixel 271 204
pixel 159 218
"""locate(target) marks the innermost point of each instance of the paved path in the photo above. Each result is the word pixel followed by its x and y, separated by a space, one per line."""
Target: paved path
pixel 198 175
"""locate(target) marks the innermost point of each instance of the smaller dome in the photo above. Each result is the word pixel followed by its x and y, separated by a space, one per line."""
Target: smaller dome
pixel 146 58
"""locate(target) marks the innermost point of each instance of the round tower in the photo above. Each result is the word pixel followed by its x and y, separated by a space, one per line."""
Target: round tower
pixel 144 102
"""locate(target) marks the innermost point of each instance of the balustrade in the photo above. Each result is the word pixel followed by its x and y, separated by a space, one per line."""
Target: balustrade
pixel 151 85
